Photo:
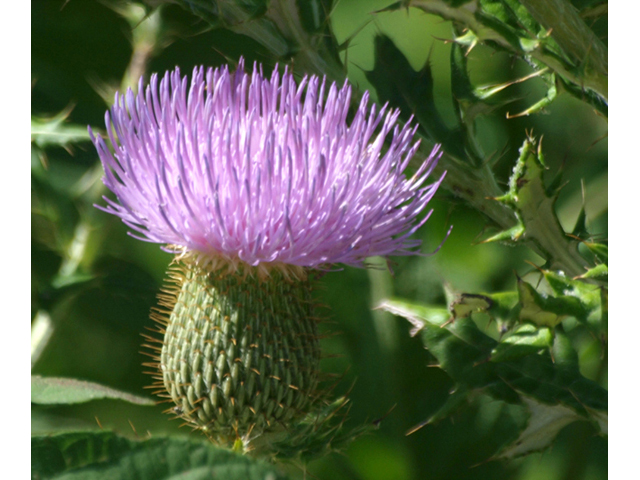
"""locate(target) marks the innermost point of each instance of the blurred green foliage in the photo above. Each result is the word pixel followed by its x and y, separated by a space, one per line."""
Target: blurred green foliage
pixel 93 285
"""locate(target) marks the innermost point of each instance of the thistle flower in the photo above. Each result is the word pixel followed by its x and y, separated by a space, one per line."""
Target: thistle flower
pixel 254 182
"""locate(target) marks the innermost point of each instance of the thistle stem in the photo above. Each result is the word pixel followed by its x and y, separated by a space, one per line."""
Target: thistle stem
pixel 567 28
pixel 576 39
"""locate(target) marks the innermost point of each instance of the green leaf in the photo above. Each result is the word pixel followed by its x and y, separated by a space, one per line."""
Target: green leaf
pixel 545 422
pixel 569 297
pixel 461 86
pixel 525 340
pixel 63 391
pixel 584 297
pixel 565 357
pixel 498 17
pixel 580 228
pixel 416 314
pixel 524 21
pixel 600 250
pixel 534 206
pixel 514 22
pixel 100 455
pixel 54 132
pixel 454 402
pixel 542 309
pixel 512 234
pixel 502 307
pixel 599 272
pixel 588 95
pixel 550 387
pixel 469 303
pixel 460 347
pixel 552 93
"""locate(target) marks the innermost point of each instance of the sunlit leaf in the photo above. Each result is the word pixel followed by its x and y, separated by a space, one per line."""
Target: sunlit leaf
pixel 469 303
pixel 599 272
pixel 541 309
pixel 59 391
pixel 525 340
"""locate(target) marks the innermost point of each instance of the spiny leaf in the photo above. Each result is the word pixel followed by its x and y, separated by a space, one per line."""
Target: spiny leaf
pixel 512 234
pixel 545 422
pixel 501 307
pixel 542 309
pixel 464 351
pixel 534 206
pixel 461 86
pixel 468 303
pixel 584 297
pixel 548 38
pixel 600 250
pixel 565 357
pixel 504 308
pixel 595 100
pixel 456 399
pixel 498 17
pixel 62 391
pixel 54 132
pixel 512 20
pixel 523 18
pixel 580 228
pixel 552 392
pixel 569 297
pixel 416 314
pixel 99 455
pixel 525 340
pixel 540 105
pixel 460 347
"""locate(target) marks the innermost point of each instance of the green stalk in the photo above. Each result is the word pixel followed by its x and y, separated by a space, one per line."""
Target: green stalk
pixel 566 26
pixel 575 38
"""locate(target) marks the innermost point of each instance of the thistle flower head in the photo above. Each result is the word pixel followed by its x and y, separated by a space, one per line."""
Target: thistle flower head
pixel 235 168
pixel 237 171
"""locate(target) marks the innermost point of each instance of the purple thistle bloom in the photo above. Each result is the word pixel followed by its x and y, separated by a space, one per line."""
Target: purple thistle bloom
pixel 241 168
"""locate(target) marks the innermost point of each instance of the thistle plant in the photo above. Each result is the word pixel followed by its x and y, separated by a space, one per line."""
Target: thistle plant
pixel 255 184
pixel 251 187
